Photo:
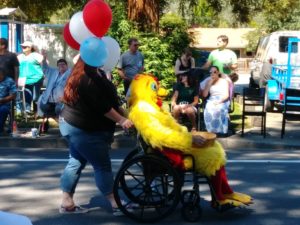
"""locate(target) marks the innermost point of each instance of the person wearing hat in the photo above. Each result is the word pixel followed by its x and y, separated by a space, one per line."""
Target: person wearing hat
pixel 31 68
pixel 185 99
pixel 88 119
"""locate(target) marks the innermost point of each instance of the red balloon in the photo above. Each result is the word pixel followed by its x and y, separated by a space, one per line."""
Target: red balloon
pixel 69 39
pixel 97 16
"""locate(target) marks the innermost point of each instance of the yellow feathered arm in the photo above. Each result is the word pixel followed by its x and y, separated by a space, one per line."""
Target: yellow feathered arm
pixel 158 128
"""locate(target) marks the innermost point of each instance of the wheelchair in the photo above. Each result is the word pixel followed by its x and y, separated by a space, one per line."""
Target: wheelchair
pixel 148 186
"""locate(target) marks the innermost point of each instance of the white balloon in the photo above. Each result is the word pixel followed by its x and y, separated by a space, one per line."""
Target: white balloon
pixel 78 29
pixel 114 52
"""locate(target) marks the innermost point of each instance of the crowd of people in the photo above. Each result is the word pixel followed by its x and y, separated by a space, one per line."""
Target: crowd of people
pixel 215 91
pixel 86 104
pixel 30 69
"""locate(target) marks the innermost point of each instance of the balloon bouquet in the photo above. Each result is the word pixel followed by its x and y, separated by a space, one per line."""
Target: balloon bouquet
pixel 85 32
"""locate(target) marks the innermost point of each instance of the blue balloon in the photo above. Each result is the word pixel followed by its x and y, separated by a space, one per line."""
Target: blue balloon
pixel 93 52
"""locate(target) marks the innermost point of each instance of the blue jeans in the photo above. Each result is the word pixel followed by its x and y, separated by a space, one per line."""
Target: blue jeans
pixel 4 111
pixel 84 146
pixel 35 90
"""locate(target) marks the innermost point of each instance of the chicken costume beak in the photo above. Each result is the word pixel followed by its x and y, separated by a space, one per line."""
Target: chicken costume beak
pixel 162 92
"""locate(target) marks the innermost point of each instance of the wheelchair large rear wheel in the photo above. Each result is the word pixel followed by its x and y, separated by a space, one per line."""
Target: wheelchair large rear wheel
pixel 133 153
pixel 149 186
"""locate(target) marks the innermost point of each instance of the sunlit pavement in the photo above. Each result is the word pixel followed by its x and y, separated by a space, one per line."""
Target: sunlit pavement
pixel 29 185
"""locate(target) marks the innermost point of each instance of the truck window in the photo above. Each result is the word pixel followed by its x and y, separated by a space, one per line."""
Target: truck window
pixel 283 44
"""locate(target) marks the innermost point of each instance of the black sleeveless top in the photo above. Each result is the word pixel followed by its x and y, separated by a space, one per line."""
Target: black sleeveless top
pixel 182 67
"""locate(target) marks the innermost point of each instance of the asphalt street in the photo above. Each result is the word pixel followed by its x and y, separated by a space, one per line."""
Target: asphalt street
pixel 29 185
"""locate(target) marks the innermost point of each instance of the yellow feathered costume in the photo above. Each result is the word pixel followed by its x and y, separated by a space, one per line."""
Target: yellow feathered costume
pixel 160 130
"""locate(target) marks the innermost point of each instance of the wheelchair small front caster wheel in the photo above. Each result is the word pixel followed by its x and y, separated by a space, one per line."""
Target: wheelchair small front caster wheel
pixel 190 196
pixel 191 212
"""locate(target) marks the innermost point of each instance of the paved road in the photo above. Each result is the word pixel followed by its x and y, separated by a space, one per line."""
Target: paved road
pixel 29 185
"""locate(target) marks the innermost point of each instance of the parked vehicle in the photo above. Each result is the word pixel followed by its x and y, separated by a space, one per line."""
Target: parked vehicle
pixel 276 63
pixel 285 75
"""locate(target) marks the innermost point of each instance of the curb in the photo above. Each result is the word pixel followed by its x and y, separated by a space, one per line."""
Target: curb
pixel 56 142
pixel 238 142
pixel 122 141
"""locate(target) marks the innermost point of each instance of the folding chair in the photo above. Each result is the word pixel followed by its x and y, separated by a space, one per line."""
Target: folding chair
pixel 21 91
pixel 291 107
pixel 231 110
pixel 254 105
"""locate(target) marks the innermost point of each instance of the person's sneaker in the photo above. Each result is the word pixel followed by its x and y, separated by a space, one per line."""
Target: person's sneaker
pixel 75 210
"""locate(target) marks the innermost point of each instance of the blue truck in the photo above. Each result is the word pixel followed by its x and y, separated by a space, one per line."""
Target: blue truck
pixel 284 76
pixel 275 65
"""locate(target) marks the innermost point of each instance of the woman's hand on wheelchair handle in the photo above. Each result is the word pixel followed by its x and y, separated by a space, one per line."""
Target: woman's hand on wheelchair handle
pixel 125 123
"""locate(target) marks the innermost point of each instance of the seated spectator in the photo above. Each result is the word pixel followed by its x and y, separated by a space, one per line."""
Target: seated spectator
pixel 185 99
pixel 8 91
pixel 184 63
pixel 216 89
pixel 50 101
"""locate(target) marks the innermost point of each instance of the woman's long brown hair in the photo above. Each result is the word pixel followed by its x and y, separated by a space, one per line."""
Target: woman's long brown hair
pixel 71 88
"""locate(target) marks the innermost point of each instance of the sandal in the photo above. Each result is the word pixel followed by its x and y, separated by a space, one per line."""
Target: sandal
pixel 75 210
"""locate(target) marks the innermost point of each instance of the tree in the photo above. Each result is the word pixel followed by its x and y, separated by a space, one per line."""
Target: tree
pixel 39 11
pixel 282 15
pixel 145 13
pixel 214 13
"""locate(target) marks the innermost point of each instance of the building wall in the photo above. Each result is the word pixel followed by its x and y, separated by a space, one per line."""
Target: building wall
pixel 50 38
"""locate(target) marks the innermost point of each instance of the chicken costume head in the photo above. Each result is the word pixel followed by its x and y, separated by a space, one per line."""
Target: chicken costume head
pixel 146 88
pixel 162 132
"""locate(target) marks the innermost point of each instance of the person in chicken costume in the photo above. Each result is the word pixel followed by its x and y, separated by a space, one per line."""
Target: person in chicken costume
pixel 161 131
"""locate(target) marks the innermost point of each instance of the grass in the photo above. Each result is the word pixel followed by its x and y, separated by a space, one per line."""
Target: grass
pixel 236 117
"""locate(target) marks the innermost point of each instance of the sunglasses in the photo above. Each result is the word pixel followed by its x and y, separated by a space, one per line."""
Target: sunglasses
pixel 24 47
pixel 215 71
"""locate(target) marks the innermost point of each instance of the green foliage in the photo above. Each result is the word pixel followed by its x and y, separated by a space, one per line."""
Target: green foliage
pixel 253 38
pixel 40 11
pixel 174 32
pixel 159 49
pixel 273 16
pixel 171 21
pixel 203 14
pixel 282 15
pixel 158 59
